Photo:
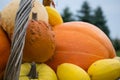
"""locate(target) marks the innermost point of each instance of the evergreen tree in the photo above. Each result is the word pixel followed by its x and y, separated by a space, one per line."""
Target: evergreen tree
pixel 67 15
pixel 84 14
pixel 99 21
pixel 116 44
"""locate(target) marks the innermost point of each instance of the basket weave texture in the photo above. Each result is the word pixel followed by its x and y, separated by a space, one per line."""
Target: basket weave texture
pixel 13 65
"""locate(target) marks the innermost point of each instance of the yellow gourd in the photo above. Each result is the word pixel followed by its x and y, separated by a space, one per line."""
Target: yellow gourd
pixel 68 71
pixel 105 69
pixel 54 16
pixel 36 72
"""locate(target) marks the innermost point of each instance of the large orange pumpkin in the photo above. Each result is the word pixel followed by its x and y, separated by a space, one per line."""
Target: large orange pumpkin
pixel 4 51
pixel 80 43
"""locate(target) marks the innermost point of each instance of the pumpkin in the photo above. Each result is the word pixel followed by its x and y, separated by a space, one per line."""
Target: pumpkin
pixel 53 16
pixel 4 51
pixel 8 14
pixel 39 42
pixel 32 71
pixel 80 43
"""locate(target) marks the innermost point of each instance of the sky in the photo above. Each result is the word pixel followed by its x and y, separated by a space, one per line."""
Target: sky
pixel 110 9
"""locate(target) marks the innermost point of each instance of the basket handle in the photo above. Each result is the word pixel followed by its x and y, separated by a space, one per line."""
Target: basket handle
pixel 15 59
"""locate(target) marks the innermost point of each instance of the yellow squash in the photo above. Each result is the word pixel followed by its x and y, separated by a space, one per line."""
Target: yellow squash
pixel 54 16
pixel 68 71
pixel 105 69
pixel 36 72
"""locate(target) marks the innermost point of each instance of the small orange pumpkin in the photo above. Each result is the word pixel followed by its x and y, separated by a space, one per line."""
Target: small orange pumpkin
pixel 39 42
pixel 4 51
pixel 80 43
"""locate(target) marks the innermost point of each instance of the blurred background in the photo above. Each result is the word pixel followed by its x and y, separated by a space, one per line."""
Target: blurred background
pixel 105 14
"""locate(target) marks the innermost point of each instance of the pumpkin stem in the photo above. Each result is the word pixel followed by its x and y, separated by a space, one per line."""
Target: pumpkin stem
pixel 34 16
pixel 33 73
pixel 48 3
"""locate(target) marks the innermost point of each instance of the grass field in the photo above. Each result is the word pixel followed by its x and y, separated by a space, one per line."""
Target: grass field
pixel 118 53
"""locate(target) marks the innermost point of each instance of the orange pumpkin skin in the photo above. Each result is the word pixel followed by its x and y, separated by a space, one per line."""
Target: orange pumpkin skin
pixel 80 43
pixel 39 42
pixel 4 51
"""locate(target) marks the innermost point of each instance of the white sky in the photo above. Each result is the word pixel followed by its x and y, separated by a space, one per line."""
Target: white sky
pixel 111 9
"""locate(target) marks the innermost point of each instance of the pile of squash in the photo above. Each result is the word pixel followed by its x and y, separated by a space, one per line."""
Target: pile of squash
pixel 50 42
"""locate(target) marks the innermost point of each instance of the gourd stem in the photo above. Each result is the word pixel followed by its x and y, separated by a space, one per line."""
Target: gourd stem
pixel 48 3
pixel 33 73
pixel 34 16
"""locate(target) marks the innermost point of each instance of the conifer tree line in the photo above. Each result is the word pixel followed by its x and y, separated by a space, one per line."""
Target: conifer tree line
pixel 95 17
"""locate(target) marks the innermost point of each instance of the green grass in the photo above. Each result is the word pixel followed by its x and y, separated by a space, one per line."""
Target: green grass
pixel 118 53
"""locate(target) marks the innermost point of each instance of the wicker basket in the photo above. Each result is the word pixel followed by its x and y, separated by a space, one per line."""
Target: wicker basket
pixel 15 58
